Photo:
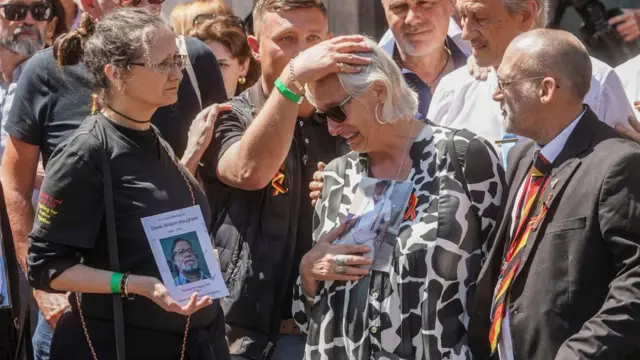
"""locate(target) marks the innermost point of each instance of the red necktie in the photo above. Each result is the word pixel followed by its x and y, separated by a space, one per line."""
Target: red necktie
pixel 527 205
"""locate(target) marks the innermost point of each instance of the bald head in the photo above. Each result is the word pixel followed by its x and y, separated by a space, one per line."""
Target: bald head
pixel 558 52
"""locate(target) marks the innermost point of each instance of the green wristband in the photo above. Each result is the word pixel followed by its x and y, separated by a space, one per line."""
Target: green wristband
pixel 287 93
pixel 115 282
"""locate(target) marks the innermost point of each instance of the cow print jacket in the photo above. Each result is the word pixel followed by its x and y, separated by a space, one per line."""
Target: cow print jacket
pixel 419 309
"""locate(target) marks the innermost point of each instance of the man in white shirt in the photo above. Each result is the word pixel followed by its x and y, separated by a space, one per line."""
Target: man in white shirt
pixel 629 73
pixel 461 101
pixel 418 41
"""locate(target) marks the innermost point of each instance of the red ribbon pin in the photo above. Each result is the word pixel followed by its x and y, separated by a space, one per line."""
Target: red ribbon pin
pixel 411 210
pixel 277 183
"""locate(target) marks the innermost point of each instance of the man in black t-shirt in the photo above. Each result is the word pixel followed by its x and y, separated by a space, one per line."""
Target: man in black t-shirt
pixel 266 150
pixel 51 102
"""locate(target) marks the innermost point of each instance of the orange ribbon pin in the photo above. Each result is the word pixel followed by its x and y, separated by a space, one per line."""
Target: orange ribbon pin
pixel 636 104
pixel 277 183
pixel 411 211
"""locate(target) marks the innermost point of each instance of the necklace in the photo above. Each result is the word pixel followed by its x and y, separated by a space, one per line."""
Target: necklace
pixel 128 118
pixel 435 80
pixel 406 148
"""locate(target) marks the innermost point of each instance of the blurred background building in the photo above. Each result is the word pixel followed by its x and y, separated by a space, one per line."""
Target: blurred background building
pixel 345 16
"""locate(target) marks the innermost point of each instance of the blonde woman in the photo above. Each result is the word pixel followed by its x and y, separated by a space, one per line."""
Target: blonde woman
pixel 185 16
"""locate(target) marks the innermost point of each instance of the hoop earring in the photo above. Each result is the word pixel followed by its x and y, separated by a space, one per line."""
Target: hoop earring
pixel 377 118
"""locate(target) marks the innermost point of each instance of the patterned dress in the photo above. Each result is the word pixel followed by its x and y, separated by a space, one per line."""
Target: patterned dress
pixel 419 309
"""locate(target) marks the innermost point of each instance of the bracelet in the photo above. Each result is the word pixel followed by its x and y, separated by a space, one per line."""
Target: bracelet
pixel 292 76
pixel 287 93
pixel 116 278
pixel 124 283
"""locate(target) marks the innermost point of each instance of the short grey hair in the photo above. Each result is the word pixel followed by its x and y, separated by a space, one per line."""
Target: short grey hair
pixel 517 6
pixel 401 101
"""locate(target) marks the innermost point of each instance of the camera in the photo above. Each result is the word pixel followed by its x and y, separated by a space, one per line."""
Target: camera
pixel 602 39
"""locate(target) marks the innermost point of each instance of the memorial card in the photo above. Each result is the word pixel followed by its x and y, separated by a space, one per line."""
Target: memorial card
pixel 375 216
pixel 184 254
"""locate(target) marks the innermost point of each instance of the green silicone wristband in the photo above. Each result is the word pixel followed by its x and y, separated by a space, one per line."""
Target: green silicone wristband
pixel 287 93
pixel 115 282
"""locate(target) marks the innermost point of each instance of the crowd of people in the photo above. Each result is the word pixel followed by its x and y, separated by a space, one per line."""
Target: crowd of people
pixel 520 239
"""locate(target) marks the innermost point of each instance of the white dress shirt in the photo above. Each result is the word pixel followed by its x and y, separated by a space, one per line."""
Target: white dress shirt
pixel 550 152
pixel 629 73
pixel 461 101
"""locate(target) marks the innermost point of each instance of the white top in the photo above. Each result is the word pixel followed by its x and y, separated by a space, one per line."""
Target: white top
pixel 460 101
pixel 629 73
pixel 550 152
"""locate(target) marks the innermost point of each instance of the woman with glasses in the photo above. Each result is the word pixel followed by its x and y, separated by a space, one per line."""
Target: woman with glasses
pixel 410 301
pixel 135 68
pixel 239 70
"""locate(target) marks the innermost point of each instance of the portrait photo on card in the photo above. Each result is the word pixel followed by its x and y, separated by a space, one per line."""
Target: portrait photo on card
pixel 185 258
pixel 374 217
pixel 184 254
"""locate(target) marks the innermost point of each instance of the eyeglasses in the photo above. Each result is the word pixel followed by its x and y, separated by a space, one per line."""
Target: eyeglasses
pixel 135 3
pixel 336 113
pixel 503 84
pixel 230 20
pixel 167 66
pixel 183 252
pixel 18 12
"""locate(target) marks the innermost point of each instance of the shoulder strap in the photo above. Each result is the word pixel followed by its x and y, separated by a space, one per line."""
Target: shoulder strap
pixel 182 46
pixel 457 157
pixel 114 262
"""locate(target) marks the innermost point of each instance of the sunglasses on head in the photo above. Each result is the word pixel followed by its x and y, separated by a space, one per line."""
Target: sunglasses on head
pixel 336 113
pixel 135 3
pixel 231 20
pixel 18 12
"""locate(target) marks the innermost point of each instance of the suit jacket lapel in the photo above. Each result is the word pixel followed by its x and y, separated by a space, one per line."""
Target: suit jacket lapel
pixel 514 185
pixel 564 167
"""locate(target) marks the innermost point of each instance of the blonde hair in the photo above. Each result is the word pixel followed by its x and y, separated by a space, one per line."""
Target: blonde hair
pixel 183 14
pixel 401 101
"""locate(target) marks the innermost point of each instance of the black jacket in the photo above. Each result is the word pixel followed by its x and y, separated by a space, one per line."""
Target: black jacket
pixel 258 231
pixel 576 294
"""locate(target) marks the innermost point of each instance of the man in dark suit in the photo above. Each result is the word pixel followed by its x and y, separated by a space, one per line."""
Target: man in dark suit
pixel 562 280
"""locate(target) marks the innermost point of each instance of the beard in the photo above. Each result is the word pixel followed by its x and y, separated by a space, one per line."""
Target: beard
pixel 26 47
pixel 191 267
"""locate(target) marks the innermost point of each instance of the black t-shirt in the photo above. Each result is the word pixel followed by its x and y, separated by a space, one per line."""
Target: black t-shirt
pixel 314 144
pixel 50 102
pixel 70 217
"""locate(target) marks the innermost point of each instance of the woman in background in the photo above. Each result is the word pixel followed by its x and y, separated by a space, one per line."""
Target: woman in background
pixel 239 70
pixel 185 16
